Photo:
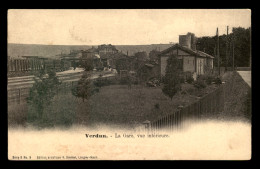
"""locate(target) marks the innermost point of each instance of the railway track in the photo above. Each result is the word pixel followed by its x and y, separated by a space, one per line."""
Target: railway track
pixel 18 87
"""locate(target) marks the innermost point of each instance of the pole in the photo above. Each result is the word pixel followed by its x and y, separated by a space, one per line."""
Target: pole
pixel 226 50
pixel 233 52
pixel 218 52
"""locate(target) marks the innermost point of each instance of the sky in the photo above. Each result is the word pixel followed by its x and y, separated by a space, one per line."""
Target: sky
pixel 119 26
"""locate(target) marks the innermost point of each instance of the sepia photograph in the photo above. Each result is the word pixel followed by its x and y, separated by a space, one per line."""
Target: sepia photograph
pixel 129 84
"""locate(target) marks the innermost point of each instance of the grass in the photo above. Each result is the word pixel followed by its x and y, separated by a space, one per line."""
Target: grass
pixel 238 98
pixel 17 115
pixel 118 105
pixel 114 105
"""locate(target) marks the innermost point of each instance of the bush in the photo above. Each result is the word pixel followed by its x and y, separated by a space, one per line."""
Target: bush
pixel 123 81
pixel 101 82
pixel 199 84
pixel 94 90
pixel 209 79
pixel 182 79
pixel 190 80
pixel 218 81
pixel 157 106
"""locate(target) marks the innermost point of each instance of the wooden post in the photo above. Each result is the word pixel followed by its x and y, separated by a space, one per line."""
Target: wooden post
pixel 19 95
pixel 226 64
pixel 233 53
pixel 218 53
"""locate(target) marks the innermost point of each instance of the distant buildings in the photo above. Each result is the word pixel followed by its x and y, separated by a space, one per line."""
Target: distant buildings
pixel 100 56
pixel 192 61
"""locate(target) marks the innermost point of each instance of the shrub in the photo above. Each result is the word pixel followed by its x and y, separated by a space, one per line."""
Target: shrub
pixel 182 79
pixel 218 81
pixel 190 90
pixel 190 80
pixel 209 79
pixel 157 106
pixel 123 81
pixel 199 84
pixel 85 88
pixel 172 80
pixel 100 82
pixel 42 93
pixel 94 90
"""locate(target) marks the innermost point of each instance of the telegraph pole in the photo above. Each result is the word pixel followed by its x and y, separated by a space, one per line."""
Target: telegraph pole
pixel 233 51
pixel 226 50
pixel 218 53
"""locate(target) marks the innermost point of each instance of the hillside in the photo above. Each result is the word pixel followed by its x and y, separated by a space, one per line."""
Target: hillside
pixel 15 50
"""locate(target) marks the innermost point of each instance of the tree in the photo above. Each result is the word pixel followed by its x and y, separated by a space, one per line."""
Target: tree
pixel 84 89
pixel 122 64
pixel 87 64
pixel 199 84
pixel 172 79
pixel 153 55
pixel 242 46
pixel 42 93
pixel 141 56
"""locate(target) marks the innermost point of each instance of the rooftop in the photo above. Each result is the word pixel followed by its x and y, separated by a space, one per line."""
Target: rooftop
pixel 188 50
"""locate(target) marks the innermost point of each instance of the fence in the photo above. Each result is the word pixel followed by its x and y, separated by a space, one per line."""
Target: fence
pixel 24 64
pixel 207 106
pixel 18 67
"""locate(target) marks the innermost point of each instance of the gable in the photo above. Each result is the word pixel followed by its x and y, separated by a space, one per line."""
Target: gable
pixel 174 52
pixel 183 51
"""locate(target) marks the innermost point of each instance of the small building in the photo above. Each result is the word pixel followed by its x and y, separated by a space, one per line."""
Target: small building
pixel 192 61
pixel 103 53
pixel 106 49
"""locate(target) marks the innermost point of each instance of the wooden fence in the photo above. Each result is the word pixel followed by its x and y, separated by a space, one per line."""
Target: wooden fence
pixel 25 64
pixel 207 106
pixel 19 67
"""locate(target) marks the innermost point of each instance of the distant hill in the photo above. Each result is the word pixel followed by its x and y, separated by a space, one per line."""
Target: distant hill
pixel 15 50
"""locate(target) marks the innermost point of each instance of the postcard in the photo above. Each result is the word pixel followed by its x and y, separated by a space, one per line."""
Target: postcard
pixel 129 84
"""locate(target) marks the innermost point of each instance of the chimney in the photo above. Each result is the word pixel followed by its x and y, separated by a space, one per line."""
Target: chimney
pixel 193 41
pixel 185 40
pixel 188 40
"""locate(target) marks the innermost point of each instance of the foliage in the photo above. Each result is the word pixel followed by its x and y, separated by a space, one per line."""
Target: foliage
pixel 218 80
pixel 124 81
pixel 122 64
pixel 42 93
pixel 242 46
pixel 209 79
pixel 199 84
pixel 84 89
pixel 172 79
pixel 153 55
pixel 141 56
pixel 100 82
pixel 190 80
pixel 157 106
pixel 87 64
